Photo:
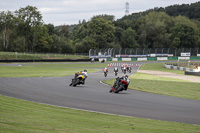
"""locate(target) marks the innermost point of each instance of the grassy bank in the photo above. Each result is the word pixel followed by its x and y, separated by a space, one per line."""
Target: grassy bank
pixel 44 70
pixel 18 116
pixel 161 85
pixel 25 56
pixel 159 67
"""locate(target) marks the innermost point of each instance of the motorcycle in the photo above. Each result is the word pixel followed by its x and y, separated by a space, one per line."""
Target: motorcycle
pixel 124 70
pixel 128 69
pixel 92 60
pixel 105 73
pixel 120 84
pixel 103 60
pixel 115 73
pixel 80 79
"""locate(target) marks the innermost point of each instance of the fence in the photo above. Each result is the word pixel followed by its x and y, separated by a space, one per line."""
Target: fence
pixel 143 52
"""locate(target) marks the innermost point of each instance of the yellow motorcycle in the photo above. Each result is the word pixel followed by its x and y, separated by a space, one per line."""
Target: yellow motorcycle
pixel 79 79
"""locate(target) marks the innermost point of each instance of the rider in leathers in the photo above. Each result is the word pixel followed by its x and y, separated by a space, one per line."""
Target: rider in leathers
pixel 84 73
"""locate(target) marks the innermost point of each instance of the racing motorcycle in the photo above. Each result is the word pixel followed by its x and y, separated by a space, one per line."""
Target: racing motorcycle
pixel 128 69
pixel 92 60
pixel 124 70
pixel 105 72
pixel 120 84
pixel 115 73
pixel 80 79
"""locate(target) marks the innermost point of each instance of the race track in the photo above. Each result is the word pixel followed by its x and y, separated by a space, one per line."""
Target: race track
pixel 95 96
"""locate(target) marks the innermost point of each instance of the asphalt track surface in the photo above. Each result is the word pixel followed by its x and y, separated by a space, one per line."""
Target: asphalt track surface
pixel 95 96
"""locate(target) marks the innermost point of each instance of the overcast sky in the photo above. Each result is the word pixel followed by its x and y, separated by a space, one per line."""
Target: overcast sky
pixel 59 12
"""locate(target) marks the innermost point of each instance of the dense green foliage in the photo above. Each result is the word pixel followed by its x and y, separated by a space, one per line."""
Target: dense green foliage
pixel 176 26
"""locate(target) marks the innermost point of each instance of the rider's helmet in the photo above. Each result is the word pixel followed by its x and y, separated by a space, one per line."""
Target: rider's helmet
pixel 85 70
pixel 105 67
pixel 126 76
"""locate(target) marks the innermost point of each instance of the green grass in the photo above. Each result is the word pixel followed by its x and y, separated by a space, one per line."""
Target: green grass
pixel 162 85
pixel 44 70
pixel 19 116
pixel 159 67
pixel 165 86
pixel 25 56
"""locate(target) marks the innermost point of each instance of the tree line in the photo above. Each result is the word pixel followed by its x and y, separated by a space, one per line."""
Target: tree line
pixel 24 31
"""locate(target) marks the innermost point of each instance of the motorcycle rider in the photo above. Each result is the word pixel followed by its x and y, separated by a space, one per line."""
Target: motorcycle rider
pixel 115 70
pixel 103 60
pixel 105 70
pixel 118 80
pixel 127 80
pixel 128 68
pixel 123 69
pixel 84 73
pixel 92 60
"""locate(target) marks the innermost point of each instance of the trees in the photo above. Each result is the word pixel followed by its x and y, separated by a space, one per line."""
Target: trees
pixel 154 30
pixel 97 33
pixel 183 36
pixel 128 39
pixel 102 31
pixel 28 20
pixel 6 26
pixel 24 31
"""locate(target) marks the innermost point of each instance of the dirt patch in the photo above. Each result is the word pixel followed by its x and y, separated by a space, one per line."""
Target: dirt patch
pixel 171 75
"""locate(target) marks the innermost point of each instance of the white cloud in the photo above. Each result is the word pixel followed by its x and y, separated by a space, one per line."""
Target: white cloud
pixel 71 11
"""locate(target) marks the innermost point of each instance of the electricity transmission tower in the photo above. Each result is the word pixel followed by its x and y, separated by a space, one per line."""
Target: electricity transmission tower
pixel 127 8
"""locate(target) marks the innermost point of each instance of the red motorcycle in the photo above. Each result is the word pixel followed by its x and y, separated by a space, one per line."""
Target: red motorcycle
pixel 120 84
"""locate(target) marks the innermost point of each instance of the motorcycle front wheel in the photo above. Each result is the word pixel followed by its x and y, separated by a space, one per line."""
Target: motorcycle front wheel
pixel 77 81
pixel 119 89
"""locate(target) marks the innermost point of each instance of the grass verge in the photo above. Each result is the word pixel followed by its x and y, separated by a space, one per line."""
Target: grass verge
pixel 159 67
pixel 44 70
pixel 161 85
pixel 164 86
pixel 25 56
pixel 24 116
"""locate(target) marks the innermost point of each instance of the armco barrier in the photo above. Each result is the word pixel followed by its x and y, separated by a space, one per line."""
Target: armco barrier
pixel 180 68
pixel 192 73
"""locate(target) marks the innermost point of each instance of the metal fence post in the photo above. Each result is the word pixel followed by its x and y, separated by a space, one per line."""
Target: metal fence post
pixel 143 51
pixel 120 51
pixel 168 50
pixel 90 52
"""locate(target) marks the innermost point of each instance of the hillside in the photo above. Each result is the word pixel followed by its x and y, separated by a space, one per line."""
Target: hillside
pixel 191 11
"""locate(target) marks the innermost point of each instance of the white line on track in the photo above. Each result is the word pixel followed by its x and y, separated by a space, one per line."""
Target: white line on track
pixel 104 83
